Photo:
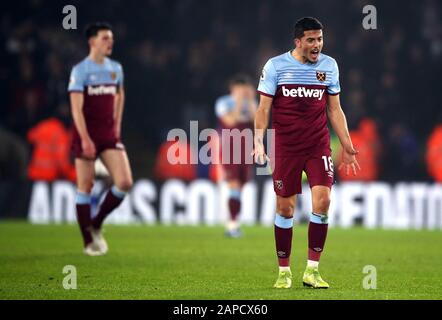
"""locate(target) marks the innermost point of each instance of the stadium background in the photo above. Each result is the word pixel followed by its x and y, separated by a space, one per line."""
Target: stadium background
pixel 179 55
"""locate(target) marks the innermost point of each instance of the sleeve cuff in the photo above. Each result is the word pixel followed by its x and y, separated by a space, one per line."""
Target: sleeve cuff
pixel 333 94
pixel 265 94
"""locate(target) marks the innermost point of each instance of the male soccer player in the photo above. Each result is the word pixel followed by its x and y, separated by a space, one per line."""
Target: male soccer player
pixel 97 100
pixel 303 87
pixel 236 111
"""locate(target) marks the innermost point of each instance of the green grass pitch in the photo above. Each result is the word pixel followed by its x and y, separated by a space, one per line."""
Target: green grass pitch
pixel 159 262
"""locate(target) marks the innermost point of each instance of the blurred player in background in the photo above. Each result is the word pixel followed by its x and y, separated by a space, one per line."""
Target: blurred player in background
pixel 236 111
pixel 303 87
pixel 97 100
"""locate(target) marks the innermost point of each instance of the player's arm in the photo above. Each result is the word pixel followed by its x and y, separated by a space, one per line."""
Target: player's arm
pixel 261 123
pixel 231 118
pixel 87 145
pixel 339 123
pixel 267 88
pixel 118 110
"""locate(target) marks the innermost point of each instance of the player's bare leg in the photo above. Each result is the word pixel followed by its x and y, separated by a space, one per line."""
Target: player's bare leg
pixel 85 180
pixel 233 230
pixel 117 163
pixel 317 234
pixel 285 208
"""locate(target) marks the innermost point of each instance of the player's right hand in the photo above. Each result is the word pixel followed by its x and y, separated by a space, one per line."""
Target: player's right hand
pixel 88 148
pixel 238 96
pixel 259 154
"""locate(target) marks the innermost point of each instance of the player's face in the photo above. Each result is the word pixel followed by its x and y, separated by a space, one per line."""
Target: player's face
pixel 310 45
pixel 242 91
pixel 103 42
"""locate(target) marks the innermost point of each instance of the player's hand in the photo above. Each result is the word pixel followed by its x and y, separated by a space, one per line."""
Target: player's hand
pixel 250 93
pixel 88 148
pixel 259 154
pixel 239 95
pixel 349 161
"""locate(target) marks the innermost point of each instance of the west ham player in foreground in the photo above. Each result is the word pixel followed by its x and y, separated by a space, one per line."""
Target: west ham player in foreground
pixel 97 100
pixel 236 111
pixel 303 87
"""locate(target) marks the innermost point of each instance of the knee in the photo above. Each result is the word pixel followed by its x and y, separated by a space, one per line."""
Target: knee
pixel 286 210
pixel 322 204
pixel 124 184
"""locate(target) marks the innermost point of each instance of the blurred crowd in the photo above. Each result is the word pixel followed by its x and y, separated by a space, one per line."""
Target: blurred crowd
pixel 178 55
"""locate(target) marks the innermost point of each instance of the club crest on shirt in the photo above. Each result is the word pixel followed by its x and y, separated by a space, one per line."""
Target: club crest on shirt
pixel 321 75
pixel 113 75
pixel 278 184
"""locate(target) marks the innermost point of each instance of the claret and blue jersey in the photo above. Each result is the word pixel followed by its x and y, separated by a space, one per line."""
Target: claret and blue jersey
pixel 99 84
pixel 299 93
pixel 88 73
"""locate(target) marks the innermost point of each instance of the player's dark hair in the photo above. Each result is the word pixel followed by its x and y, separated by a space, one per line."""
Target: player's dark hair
pixel 306 24
pixel 240 79
pixel 93 29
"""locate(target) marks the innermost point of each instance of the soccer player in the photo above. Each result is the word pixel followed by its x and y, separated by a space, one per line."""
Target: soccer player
pixel 236 111
pixel 97 100
pixel 303 87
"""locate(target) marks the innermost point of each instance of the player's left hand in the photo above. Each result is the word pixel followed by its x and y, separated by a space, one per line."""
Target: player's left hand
pixel 259 154
pixel 349 161
pixel 250 93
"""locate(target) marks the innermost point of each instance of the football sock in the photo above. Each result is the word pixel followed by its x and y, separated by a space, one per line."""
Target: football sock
pixel 312 264
pixel 317 233
pixel 83 204
pixel 112 200
pixel 234 203
pixel 283 239
pixel 281 269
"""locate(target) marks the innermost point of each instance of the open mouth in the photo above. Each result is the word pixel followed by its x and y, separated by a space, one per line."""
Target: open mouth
pixel 314 53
